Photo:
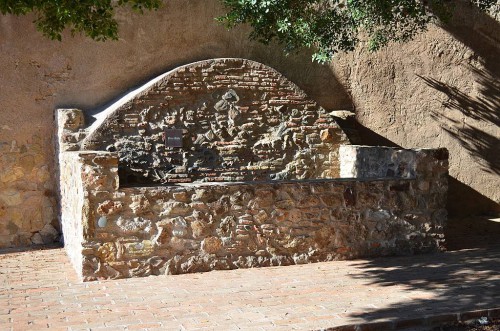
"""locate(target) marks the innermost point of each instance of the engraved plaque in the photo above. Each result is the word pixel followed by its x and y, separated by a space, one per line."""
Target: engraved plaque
pixel 173 137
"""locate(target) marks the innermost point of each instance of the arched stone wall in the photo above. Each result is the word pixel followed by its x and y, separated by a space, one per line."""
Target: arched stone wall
pixel 234 120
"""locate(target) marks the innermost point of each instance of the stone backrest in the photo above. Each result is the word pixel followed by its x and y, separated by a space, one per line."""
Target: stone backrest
pixel 217 120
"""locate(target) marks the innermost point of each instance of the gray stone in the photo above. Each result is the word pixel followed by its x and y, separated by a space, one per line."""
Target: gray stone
pixel 49 234
pixel 37 239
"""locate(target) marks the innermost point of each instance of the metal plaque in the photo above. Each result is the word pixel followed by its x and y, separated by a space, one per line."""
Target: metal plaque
pixel 173 137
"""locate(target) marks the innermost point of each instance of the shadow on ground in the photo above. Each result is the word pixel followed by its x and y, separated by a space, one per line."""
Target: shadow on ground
pixel 462 280
pixel 472 232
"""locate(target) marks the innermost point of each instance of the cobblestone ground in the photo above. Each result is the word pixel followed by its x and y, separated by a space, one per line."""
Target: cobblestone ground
pixel 39 289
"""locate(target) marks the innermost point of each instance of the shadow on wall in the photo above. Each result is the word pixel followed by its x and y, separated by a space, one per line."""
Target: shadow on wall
pixel 371 138
pixel 472 232
pixel 482 145
pixel 464 280
pixel 478 31
pixel 470 199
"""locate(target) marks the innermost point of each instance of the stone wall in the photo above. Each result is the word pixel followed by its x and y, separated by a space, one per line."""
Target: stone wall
pixel 28 211
pixel 380 162
pixel 259 127
pixel 73 206
pixel 234 120
pixel 140 231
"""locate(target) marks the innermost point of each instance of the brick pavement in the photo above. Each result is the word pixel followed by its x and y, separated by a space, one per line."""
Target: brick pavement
pixel 39 289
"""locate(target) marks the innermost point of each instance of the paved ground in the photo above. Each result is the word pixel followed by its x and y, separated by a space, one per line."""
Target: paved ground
pixel 39 289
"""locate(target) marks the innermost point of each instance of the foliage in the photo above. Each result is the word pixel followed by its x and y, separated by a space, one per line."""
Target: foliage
pixel 325 26
pixel 94 18
pixel 332 26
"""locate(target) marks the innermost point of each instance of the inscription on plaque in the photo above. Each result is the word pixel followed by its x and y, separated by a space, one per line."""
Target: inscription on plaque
pixel 173 137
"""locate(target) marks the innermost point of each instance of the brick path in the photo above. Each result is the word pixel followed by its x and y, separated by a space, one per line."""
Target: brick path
pixel 38 289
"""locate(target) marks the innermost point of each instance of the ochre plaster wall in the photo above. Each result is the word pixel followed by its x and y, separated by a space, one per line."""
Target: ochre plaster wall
pixel 440 90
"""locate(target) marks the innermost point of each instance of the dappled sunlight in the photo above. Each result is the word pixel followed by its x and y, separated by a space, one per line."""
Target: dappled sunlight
pixel 481 144
pixel 468 279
